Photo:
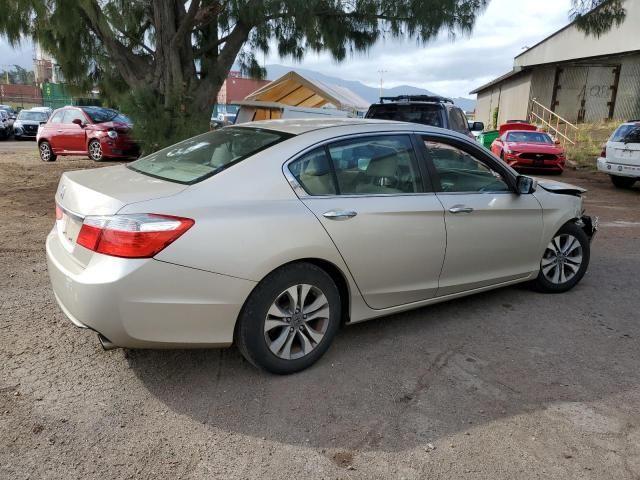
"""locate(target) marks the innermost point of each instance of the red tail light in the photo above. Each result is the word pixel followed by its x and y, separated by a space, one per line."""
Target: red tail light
pixel 59 213
pixel 603 153
pixel 131 236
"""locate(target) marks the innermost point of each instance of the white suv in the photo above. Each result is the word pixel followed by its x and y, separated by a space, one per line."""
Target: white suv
pixel 620 158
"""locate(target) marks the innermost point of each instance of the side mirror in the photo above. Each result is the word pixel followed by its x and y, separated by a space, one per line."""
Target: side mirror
pixel 477 126
pixel 525 185
pixel 78 122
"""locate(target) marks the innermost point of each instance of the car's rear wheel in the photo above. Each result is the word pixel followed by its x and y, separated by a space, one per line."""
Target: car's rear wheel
pixel 622 182
pixel 95 151
pixel 565 260
pixel 46 153
pixel 290 319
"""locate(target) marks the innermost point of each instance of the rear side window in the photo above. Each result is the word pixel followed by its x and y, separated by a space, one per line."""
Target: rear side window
pixel 423 113
pixel 627 133
pixel 376 165
pixel 202 156
pixel 457 121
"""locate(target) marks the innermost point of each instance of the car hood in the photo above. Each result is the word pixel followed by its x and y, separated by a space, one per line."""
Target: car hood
pixel 554 186
pixel 534 147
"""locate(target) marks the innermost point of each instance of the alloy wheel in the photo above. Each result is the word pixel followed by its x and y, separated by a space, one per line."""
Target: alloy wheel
pixel 562 259
pixel 297 321
pixel 95 150
pixel 45 152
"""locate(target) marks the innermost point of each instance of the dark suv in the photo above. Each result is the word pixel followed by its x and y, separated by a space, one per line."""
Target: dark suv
pixel 425 109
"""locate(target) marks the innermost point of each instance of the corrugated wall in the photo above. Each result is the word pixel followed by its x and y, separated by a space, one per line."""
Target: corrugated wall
pixel 628 98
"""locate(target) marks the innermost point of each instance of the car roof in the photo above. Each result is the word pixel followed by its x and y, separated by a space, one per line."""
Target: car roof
pixel 525 131
pixel 297 126
pixel 328 128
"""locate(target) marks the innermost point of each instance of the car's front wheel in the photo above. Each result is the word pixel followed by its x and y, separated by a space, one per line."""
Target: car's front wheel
pixel 290 319
pixel 95 151
pixel 622 182
pixel 46 153
pixel 565 260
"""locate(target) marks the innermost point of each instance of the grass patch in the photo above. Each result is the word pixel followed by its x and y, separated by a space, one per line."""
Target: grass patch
pixel 590 138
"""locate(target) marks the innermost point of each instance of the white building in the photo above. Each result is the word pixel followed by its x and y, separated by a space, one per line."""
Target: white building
pixel 581 78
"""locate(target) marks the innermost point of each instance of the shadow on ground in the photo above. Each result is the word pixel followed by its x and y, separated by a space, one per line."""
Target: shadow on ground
pixel 405 380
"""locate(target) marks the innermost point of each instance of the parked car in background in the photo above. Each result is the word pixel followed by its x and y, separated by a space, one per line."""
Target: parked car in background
pixel 272 234
pixel 620 157
pixel 5 128
pixel 11 113
pixel 429 110
pixel 526 149
pixel 94 131
pixel 27 123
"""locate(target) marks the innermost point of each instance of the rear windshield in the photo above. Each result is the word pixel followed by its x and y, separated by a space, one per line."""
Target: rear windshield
pixel 629 133
pixel 202 156
pixel 533 137
pixel 424 113
pixel 32 116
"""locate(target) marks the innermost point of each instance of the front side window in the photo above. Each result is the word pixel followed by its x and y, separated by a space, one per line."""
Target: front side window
pixel 57 117
pixel 204 155
pixel 461 172
pixel 73 114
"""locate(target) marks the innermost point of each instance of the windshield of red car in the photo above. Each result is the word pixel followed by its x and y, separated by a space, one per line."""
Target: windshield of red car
pixel 101 115
pixel 528 137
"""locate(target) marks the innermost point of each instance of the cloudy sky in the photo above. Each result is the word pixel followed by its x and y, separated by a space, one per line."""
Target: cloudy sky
pixel 448 67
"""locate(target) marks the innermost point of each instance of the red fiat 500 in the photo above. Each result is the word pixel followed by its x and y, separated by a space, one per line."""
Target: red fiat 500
pixel 94 131
pixel 529 149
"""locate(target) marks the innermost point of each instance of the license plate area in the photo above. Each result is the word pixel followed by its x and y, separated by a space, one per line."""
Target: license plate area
pixel 68 228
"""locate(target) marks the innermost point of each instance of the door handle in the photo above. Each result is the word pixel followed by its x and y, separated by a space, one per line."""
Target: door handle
pixel 460 209
pixel 339 214
pixel 59 131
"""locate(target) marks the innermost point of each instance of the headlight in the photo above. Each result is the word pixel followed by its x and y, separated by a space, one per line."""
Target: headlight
pixel 17 124
pixel 112 134
pixel 508 151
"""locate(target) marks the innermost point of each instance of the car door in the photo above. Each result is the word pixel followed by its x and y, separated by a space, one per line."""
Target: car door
pixel 73 135
pixel 370 194
pixel 493 234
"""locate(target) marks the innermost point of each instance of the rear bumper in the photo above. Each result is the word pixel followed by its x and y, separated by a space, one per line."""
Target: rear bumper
pixel 146 303
pixel 619 169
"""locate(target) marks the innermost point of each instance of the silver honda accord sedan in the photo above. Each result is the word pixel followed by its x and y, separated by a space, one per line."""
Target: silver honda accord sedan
pixel 272 234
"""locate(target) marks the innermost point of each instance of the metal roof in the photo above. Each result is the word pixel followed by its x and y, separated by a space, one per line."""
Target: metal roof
pixel 297 90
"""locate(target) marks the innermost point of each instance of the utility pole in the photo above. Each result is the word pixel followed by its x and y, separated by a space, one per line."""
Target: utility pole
pixel 381 72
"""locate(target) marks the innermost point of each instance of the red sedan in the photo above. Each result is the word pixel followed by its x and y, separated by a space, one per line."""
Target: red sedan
pixel 94 131
pixel 525 149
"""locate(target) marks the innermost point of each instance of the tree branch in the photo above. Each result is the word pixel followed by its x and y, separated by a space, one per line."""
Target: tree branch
pixel 131 65
pixel 187 22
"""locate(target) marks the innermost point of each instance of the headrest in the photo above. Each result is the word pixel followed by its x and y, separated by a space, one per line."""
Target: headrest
pixel 383 167
pixel 317 166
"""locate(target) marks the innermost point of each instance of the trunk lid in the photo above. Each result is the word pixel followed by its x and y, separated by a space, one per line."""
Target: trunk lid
pixel 102 191
pixel 624 153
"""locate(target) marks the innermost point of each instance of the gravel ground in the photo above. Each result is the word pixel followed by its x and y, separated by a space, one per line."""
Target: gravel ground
pixel 509 384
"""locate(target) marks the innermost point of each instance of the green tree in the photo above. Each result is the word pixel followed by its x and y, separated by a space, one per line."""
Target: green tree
pixel 17 75
pixel 165 60
pixel 596 17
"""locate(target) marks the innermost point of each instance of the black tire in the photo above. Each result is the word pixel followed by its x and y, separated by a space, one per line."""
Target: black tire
pixel 46 153
pixel 95 151
pixel 622 182
pixel 251 338
pixel 544 284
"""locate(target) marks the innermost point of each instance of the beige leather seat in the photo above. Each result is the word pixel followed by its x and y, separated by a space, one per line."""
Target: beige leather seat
pixel 381 176
pixel 316 177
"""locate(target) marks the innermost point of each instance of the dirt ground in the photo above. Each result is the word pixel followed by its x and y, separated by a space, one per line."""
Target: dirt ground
pixel 509 384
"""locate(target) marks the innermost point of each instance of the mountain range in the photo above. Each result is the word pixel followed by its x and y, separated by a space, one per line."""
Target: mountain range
pixel 371 94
